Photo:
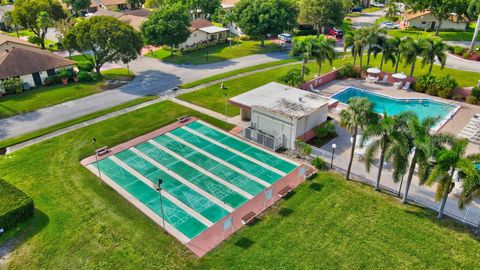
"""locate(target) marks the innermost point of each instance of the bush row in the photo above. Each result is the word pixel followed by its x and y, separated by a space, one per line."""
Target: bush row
pixel 15 206
pixel 443 87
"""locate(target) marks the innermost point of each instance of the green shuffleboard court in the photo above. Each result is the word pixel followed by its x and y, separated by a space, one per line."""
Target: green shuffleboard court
pixel 206 174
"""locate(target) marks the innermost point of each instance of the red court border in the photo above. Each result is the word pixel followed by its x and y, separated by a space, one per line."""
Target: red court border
pixel 214 235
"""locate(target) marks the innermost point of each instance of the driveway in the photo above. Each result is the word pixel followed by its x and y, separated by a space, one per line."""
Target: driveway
pixel 367 19
pixel 153 78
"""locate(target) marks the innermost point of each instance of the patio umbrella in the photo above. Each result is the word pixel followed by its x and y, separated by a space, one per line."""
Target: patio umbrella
pixel 399 76
pixel 374 70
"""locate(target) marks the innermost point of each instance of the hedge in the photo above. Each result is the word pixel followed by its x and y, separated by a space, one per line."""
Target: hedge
pixel 15 206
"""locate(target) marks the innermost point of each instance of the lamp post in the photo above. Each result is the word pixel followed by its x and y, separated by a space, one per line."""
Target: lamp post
pixel 226 108
pixel 94 141
pixel 334 146
pixel 159 189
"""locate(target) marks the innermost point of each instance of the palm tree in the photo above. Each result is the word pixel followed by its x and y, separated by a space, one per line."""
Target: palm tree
pixel 423 145
pixel 390 52
pixel 375 36
pixel 410 49
pixel 359 114
pixel 433 49
pixel 474 10
pixel 446 162
pixel 304 49
pixel 389 133
pixel 323 50
pixel 358 41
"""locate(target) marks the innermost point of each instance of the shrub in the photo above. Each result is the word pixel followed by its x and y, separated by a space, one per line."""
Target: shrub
pixel 12 85
pixel 471 100
pixel 35 40
pixel 476 92
pixel 293 77
pixel 325 130
pixel 63 73
pixel 424 83
pixel 15 206
pixel 319 164
pixel 446 85
pixel 84 76
pixel 85 66
pixel 458 98
pixel 348 71
pixel 459 50
pixel 52 80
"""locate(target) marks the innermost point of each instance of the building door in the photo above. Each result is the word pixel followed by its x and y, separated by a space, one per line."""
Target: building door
pixel 432 27
pixel 37 79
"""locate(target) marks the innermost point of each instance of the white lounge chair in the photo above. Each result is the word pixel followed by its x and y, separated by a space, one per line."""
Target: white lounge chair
pixel 407 86
pixel 384 80
pixel 312 89
pixel 398 85
pixel 371 79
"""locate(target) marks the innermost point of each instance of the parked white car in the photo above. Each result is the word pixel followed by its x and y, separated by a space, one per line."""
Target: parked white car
pixel 389 25
pixel 377 4
pixel 285 37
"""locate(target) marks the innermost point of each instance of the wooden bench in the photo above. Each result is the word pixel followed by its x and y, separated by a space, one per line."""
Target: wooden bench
pixel 102 151
pixel 248 218
pixel 183 119
pixel 284 191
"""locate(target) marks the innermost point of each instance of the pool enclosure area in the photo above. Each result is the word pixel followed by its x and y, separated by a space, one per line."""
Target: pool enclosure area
pixel 212 183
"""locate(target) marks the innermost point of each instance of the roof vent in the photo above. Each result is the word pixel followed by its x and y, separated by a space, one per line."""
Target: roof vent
pixel 300 99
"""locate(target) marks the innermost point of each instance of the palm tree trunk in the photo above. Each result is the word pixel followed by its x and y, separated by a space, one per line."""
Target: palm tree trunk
pixel 380 165
pixel 413 67
pixel 431 67
pixel 475 34
pixel 381 60
pixel 361 59
pixel 352 152
pixel 304 63
pixel 398 62
pixel 413 164
pixel 442 204
pixel 368 57
pixel 318 30
pixel 354 59
pixel 319 67
pixel 437 31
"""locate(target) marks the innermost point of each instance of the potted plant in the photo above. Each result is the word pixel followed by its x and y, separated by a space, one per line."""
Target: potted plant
pixel 63 74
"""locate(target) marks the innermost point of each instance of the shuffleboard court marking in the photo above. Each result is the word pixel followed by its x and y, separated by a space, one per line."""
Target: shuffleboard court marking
pixel 250 144
pixel 238 153
pixel 220 161
pixel 165 193
pixel 203 171
pixel 142 207
pixel 183 180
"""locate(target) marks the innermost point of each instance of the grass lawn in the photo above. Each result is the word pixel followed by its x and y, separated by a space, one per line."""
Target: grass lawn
pixel 238 71
pixel 213 98
pixel 445 35
pixel 346 27
pixel 38 98
pixel 41 132
pixel 216 53
pixel 327 223
pixel 371 9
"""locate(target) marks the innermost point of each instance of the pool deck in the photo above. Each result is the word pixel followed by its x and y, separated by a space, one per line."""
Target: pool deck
pixel 459 120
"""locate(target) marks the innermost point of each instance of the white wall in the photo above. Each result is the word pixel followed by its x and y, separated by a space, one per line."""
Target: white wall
pixel 306 124
pixel 200 36
pixel 426 22
pixel 29 78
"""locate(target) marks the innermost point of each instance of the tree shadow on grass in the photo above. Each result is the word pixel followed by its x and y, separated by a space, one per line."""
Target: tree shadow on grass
pixel 315 186
pixel 244 243
pixel 285 212
pixel 25 231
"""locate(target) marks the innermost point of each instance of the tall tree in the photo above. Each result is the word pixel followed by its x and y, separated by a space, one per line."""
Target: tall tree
pixel 375 37
pixel 154 4
pixel 304 49
pixel 474 11
pixel 471 182
pixel 323 50
pixel 357 40
pixel 387 134
pixel 390 51
pixel 10 23
pixel 423 145
pixel 440 9
pixel 136 3
pixel 167 26
pixel 446 162
pixel 37 15
pixel 258 18
pixel 322 13
pixel 359 114
pixel 433 49
pixel 108 40
pixel 77 5
pixel 411 49
pixel 207 7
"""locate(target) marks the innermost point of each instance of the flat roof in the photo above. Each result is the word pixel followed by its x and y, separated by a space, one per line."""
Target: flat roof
pixel 213 29
pixel 282 99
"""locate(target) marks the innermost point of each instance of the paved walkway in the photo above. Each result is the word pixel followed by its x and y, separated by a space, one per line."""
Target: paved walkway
pixel 153 78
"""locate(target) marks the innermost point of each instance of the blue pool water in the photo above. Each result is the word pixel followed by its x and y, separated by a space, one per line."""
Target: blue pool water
pixel 422 107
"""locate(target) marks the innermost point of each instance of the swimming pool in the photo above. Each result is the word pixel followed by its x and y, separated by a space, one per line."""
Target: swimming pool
pixel 422 107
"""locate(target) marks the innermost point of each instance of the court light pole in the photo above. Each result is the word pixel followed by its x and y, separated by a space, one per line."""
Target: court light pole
pixel 159 189
pixel 226 108
pixel 94 141
pixel 334 146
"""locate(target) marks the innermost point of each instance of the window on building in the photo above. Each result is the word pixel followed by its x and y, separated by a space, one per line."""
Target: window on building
pixel 424 22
